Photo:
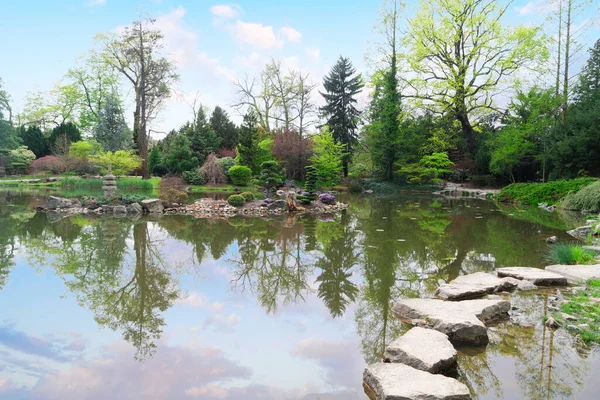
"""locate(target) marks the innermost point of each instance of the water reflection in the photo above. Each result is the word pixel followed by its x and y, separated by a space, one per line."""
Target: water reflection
pixel 354 265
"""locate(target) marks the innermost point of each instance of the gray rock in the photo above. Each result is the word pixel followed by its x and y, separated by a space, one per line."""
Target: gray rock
pixel 473 286
pixel 581 233
pixel 277 204
pixel 400 382
pixel 534 275
pixel 576 273
pixel 54 203
pixel 134 209
pixel 552 240
pixel 526 285
pixel 568 317
pixel 152 206
pixel 461 321
pixel 423 349
pixel 120 210
pixel 108 209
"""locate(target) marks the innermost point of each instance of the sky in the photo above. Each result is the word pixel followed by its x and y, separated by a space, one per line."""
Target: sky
pixel 212 43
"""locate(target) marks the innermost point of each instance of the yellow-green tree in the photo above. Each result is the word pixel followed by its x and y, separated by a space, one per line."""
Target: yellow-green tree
pixel 122 162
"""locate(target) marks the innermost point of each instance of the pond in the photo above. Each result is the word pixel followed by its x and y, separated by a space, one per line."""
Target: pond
pixel 174 307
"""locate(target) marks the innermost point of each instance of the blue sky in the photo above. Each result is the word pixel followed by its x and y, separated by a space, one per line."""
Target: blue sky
pixel 212 42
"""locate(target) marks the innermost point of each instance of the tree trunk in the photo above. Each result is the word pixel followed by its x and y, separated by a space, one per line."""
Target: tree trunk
pixel 567 61
pixel 468 132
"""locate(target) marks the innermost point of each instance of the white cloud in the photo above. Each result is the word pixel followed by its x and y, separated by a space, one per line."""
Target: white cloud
pixel 207 390
pixel 256 35
pixel 180 41
pixel 290 34
pixel 526 9
pixel 93 3
pixel 226 11
pixel 200 300
pixel 313 53
pixel 219 323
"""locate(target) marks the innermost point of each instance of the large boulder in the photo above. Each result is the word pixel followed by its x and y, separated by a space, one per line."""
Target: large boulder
pixel 473 286
pixel 385 381
pixel 55 203
pixel 152 206
pixel 134 209
pixel 463 321
pixel 581 233
pixel 536 276
pixel 423 349
pixel 276 205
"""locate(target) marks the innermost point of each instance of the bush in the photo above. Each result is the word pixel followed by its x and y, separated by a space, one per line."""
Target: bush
pixel 327 198
pixel 236 200
pixel 271 175
pixel 171 182
pixel 172 195
pixel 48 163
pixel 240 175
pixel 536 193
pixel 194 177
pixel 160 170
pixel 587 198
pixel 247 195
pixel 213 171
pixel 570 254
pixel 226 163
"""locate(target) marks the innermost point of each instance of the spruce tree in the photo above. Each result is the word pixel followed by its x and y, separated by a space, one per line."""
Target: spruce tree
pixel 224 128
pixel 203 138
pixel 112 131
pixel 342 86
pixel 34 139
pixel 247 149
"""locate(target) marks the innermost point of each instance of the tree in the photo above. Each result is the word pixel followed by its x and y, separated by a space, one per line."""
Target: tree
pixel 203 138
pixel 21 157
pixel 588 89
pixel 135 54
pixel 179 157
pixel 340 109
pixel 293 152
pixel 224 128
pixel 327 159
pixel 429 169
pixel 213 171
pixel 5 103
pixel 155 158
pixel 247 150
pixel 111 131
pixel 122 162
pixel 62 136
pixel 34 139
pixel 271 175
pixel 9 139
pixel 85 149
pixel 459 57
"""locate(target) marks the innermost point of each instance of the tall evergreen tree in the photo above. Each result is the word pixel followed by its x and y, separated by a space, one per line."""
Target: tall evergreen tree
pixel 588 89
pixel 247 149
pixel 203 138
pixel 111 131
pixel 33 138
pixel 340 109
pixel 224 128
pixel 62 136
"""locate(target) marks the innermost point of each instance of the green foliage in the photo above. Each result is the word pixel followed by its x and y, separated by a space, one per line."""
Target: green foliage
pixel 122 184
pixel 236 200
pixel 240 175
pixel 78 183
pixel 111 131
pixel 21 157
pixel 126 184
pixel 226 163
pixel 62 136
pixel 225 130
pixel 341 89
pixel 203 139
pixel 587 198
pixel 179 157
pixel 247 195
pixel 570 254
pixel 587 312
pixel 85 149
pixel 536 193
pixel 430 169
pixel 194 177
pixel 154 159
pixel 310 185
pixel 34 139
pixel 160 170
pixel 122 162
pixel 247 150
pixel 271 175
pixel 327 158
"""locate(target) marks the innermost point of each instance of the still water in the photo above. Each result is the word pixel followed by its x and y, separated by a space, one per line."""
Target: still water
pixel 175 307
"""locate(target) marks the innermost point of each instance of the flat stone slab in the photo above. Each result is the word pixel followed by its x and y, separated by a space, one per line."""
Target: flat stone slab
pixel 576 273
pixel 388 381
pixel 462 321
pixel 536 276
pixel 474 285
pixel 424 349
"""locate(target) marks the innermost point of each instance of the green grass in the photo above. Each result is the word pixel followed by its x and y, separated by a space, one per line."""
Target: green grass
pixel 585 306
pixel 124 184
pixel 570 254
pixel 536 193
pixel 588 198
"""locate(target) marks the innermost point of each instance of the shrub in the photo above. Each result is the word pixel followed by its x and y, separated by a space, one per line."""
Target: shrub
pixel 213 171
pixel 247 195
pixel 570 254
pixel 240 175
pixel 172 195
pixel 587 198
pixel 48 163
pixel 194 177
pixel 311 183
pixel 236 200
pixel 160 170
pixel 226 163
pixel 549 192
pixel 171 182
pixel 429 169
pixel 327 198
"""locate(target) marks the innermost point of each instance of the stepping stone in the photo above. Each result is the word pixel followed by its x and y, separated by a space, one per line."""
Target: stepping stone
pixel 461 321
pixel 576 273
pixel 424 349
pixel 534 275
pixel 385 381
pixel 473 286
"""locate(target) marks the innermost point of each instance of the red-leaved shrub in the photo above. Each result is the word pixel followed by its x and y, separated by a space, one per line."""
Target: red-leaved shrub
pixel 293 151
pixel 48 163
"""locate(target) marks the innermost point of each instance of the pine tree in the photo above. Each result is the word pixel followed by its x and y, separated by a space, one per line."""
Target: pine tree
pixel 589 78
pixel 33 138
pixel 203 138
pixel 224 128
pixel 247 149
pixel 340 110
pixel 112 131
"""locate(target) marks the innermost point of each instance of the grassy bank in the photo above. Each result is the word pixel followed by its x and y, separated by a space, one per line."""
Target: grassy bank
pixel 124 184
pixel 549 192
pixel 583 309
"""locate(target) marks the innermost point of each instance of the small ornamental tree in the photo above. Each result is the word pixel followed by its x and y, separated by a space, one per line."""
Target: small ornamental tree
pixel 212 170
pixel 20 158
pixel 327 159
pixel 430 169
pixel 84 149
pixel 271 175
pixel 122 162
pixel 311 182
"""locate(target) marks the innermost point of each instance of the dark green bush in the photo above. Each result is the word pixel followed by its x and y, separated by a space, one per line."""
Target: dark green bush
pixel 160 170
pixel 247 195
pixel 236 200
pixel 536 193
pixel 194 177
pixel 226 163
pixel 240 175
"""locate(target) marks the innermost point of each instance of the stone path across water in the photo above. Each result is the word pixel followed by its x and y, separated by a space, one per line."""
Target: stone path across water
pixel 534 275
pixel 576 273
pixel 474 285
